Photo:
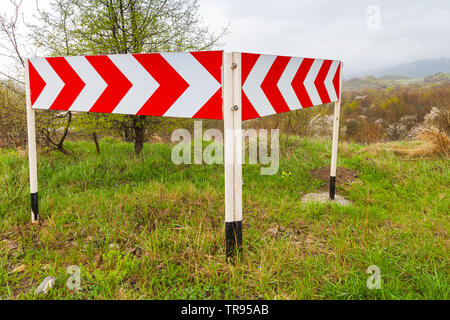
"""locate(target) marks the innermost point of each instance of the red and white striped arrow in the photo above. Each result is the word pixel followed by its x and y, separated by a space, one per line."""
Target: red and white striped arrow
pixel 167 84
pixel 275 84
pixel 182 84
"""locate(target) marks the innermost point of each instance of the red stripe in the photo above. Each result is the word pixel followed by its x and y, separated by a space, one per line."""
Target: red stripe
pixel 72 83
pixel 248 111
pixel 171 84
pixel 117 84
pixel 320 81
pixel 211 109
pixel 336 81
pixel 270 88
pixel 248 62
pixel 297 83
pixel 37 84
pixel 211 61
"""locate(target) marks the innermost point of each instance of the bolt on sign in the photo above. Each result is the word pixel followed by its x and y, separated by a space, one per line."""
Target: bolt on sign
pixel 232 87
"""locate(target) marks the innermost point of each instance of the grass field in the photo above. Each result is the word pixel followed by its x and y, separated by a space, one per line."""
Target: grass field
pixel 144 228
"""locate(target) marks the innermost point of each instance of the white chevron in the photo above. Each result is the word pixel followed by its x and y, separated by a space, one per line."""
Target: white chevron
pixel 252 85
pixel 53 85
pixel 309 82
pixel 202 85
pixel 94 84
pixel 329 81
pixel 143 84
pixel 285 83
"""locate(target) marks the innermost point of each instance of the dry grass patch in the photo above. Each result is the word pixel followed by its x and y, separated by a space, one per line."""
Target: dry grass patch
pixel 430 142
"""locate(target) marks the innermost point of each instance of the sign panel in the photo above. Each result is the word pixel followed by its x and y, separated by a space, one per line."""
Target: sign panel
pixel 276 84
pixel 206 84
pixel 181 84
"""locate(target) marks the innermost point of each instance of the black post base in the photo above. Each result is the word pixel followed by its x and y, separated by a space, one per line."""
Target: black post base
pixel 332 187
pixel 233 237
pixel 34 206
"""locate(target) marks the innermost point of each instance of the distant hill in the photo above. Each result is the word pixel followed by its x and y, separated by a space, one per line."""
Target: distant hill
pixel 439 77
pixel 370 82
pixel 416 69
pixel 392 77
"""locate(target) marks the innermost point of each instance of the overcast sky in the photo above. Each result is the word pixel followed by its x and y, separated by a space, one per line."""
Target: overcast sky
pixel 409 30
pixel 398 30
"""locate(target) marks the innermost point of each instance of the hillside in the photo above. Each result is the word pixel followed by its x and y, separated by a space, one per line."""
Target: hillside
pixel 381 83
pixel 416 69
pixel 144 228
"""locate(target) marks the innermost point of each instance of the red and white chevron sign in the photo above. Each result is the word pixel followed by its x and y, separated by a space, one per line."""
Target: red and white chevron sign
pixel 275 84
pixel 182 84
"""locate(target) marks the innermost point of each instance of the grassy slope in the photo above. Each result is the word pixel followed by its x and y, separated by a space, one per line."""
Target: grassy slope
pixel 95 209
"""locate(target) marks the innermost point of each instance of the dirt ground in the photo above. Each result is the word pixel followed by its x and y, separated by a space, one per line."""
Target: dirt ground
pixel 343 175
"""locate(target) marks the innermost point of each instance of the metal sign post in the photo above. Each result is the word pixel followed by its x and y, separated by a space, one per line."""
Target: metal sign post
pixel 32 157
pixel 334 147
pixel 232 117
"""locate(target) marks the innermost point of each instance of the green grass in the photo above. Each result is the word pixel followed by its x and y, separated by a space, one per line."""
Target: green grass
pixel 144 228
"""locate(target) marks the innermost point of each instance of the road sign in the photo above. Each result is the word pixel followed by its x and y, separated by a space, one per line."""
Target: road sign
pixel 181 84
pixel 276 84
pixel 208 84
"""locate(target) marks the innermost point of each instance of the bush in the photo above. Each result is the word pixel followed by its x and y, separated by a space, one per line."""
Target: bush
pixel 13 120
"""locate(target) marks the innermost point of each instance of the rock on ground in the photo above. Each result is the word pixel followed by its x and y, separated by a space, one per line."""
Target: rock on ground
pixel 325 197
pixel 19 269
pixel 45 285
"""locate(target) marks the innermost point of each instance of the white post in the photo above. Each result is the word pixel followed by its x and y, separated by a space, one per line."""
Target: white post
pixel 237 118
pixel 232 151
pixel 334 148
pixel 32 157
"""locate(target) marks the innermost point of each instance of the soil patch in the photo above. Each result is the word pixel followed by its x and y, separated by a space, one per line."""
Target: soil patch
pixel 343 175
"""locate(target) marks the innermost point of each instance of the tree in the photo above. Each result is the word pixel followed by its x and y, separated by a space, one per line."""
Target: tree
pixel 123 26
pixel 14 48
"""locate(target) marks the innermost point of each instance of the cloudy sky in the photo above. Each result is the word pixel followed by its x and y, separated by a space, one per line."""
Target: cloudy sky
pixel 364 34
